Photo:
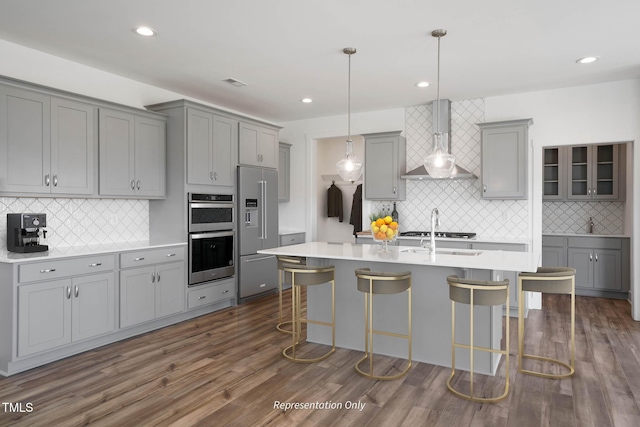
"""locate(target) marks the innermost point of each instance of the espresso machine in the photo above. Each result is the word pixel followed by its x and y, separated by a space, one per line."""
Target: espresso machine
pixel 23 232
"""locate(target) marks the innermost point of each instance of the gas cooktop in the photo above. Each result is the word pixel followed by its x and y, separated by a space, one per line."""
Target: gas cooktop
pixel 448 234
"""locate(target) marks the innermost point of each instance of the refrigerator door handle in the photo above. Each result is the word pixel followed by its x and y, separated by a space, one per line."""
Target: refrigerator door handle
pixel 263 209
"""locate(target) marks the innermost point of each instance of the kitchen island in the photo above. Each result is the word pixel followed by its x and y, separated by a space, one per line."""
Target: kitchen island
pixel 431 311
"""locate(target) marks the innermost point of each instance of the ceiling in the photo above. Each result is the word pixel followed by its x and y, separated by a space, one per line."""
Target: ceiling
pixel 289 49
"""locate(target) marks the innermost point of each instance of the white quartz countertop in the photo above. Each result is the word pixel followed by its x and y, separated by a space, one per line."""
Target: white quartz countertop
pixel 587 235
pixel 486 260
pixel 476 239
pixel 72 251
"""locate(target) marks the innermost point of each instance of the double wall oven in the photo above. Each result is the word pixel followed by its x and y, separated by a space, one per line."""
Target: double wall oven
pixel 211 237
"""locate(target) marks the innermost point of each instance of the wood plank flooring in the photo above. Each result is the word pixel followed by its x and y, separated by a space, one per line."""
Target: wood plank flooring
pixel 225 369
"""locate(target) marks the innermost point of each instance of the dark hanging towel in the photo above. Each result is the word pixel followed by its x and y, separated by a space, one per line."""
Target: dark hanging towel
pixel 356 210
pixel 334 202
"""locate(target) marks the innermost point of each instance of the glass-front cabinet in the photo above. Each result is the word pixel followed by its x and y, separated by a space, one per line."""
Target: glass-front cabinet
pixel 553 174
pixel 593 172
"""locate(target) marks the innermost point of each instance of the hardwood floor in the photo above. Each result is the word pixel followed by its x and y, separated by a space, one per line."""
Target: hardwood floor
pixel 225 369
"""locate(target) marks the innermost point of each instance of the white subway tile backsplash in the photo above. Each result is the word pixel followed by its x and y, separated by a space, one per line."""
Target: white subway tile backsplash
pixel 77 222
pixel 573 217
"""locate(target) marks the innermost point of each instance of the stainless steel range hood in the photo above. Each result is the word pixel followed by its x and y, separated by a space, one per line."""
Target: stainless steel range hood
pixel 445 123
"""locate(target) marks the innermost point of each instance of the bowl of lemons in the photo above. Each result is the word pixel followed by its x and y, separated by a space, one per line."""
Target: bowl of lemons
pixel 384 229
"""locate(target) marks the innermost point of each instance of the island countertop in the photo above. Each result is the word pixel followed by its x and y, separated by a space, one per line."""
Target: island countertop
pixel 461 258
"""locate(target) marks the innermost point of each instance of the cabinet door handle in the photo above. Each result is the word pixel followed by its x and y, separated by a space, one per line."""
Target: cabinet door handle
pixel 210 175
pixel 170 255
pixel 394 190
pixel 47 180
pixel 590 257
pixel 595 192
pixel 484 188
pixel 596 257
pixel 153 277
pixel 55 180
pixel 225 291
pixel 77 291
pixel 95 264
pixel 48 270
pixel 138 184
pixel 68 292
pixel 588 191
pixel 139 258
pixel 215 176
pixel 158 277
pixel 202 297
pixel 133 184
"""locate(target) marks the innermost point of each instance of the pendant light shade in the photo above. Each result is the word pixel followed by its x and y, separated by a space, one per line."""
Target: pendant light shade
pixel 439 164
pixel 349 167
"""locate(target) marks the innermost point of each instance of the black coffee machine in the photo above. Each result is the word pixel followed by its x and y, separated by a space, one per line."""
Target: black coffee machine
pixel 23 232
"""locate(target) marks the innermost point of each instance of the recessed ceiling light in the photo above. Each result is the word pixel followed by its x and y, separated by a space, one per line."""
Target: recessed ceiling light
pixel 423 84
pixel 145 31
pixel 587 60
pixel 307 100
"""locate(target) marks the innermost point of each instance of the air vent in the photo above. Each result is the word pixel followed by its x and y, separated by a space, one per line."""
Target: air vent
pixel 234 82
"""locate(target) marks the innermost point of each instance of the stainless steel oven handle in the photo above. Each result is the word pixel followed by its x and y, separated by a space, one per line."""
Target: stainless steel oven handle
pixel 211 234
pixel 211 205
pixel 260 259
pixel 264 211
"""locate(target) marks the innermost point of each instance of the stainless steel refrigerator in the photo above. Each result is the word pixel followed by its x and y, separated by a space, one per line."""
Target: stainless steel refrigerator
pixel 257 229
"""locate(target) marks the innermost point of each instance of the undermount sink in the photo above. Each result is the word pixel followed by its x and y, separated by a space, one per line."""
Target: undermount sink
pixel 441 251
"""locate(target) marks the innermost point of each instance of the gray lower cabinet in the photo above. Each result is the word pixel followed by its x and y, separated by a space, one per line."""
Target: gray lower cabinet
pixel 601 263
pixel 504 159
pixel 211 141
pixel 47 144
pixel 211 293
pixel 384 163
pixel 284 172
pixel 152 290
pixel 59 312
pixel 258 145
pixel 132 154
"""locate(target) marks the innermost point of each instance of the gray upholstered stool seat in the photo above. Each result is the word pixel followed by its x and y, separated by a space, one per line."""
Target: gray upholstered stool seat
pixel 550 280
pixel 477 293
pixel 308 275
pixel 282 260
pixel 382 283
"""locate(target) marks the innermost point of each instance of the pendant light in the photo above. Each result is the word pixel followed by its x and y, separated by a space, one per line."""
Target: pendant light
pixel 349 167
pixel 439 163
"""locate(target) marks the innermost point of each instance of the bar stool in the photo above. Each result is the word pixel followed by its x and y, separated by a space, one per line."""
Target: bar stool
pixel 282 259
pixel 306 275
pixel 550 280
pixel 381 283
pixel 477 292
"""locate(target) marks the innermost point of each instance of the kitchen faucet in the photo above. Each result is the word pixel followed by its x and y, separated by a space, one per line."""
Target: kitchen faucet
pixel 435 222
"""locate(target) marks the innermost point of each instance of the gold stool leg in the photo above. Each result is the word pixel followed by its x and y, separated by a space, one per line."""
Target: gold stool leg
pixel 281 323
pixel 297 320
pixel 368 338
pixel 570 367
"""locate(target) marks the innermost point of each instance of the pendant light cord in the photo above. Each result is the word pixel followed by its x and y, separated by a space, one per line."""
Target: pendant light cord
pixel 349 101
pixel 438 89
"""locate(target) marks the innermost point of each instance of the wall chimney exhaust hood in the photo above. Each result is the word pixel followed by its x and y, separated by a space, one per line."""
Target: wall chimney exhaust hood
pixel 445 123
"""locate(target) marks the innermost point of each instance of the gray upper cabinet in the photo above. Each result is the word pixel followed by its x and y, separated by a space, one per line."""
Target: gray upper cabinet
pixel 284 172
pixel 384 163
pixel 132 155
pixel 211 140
pixel 554 173
pixel 24 141
pixel 593 172
pixel 258 146
pixel 48 146
pixel 504 159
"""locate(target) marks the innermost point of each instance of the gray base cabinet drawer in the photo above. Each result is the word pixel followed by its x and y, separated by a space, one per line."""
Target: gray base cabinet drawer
pixel 203 295
pixel 47 270
pixel 291 239
pixel 149 257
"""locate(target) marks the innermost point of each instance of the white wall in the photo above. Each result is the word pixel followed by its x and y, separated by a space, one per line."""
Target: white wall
pixel 607 112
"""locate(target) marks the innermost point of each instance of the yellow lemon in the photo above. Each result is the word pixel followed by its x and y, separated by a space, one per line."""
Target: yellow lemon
pixel 375 229
pixel 383 228
pixel 390 232
pixel 387 219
